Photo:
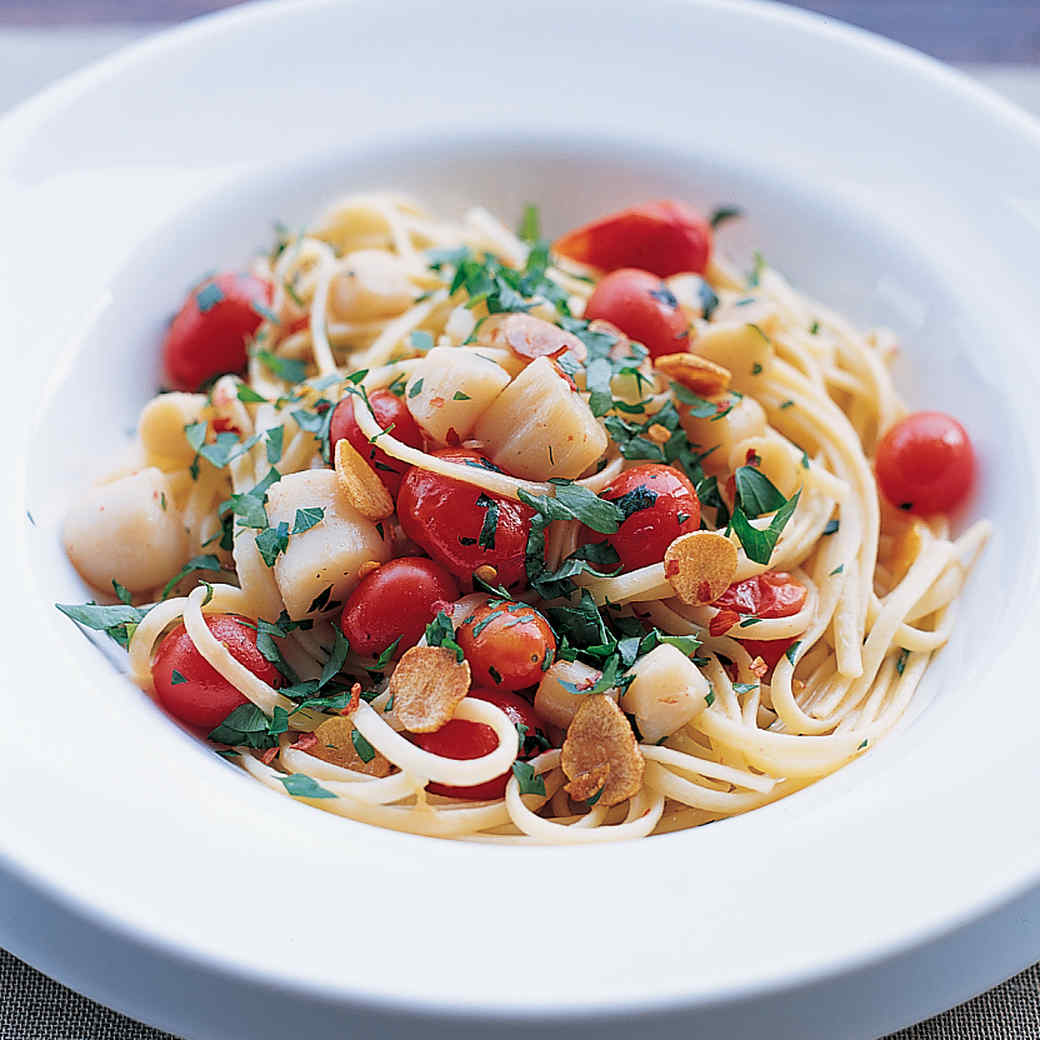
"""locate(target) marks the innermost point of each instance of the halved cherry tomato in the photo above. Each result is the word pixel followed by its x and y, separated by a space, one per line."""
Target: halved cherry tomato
pixel 774 594
pixel 661 504
pixel 508 645
pixel 925 463
pixel 190 688
pixel 388 410
pixel 665 237
pixel 208 336
pixel 460 525
pixel 644 308
pixel 395 601
pixel 462 739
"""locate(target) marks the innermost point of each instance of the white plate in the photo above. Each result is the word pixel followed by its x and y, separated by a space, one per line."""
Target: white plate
pixel 140 868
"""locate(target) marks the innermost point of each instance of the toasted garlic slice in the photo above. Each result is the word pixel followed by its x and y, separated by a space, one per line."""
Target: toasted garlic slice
pixel 696 373
pixel 334 743
pixel 426 687
pixel 667 692
pixel 599 739
pixel 700 566
pixel 360 483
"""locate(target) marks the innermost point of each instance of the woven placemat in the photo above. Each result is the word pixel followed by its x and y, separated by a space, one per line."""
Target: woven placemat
pixel 34 1007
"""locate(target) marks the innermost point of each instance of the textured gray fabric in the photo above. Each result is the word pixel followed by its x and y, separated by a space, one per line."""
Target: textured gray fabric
pixel 33 1007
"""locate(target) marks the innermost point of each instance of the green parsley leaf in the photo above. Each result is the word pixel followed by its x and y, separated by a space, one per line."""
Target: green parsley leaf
pixel 460 396
pixel 832 527
pixel 526 779
pixel 208 297
pixel 756 493
pixel 247 395
pixel 416 388
pixel 792 651
pixel 421 341
pixel 306 519
pixel 721 214
pixel 441 632
pixel 207 562
pixel 901 661
pixel 489 526
pixel 759 544
pixel 744 687
pixel 530 224
pixel 300 785
pixel 176 678
pixel 245 726
pixel 122 592
pixel 275 439
pixel 364 749
pixel 290 370
pixel 196 434
pixel 340 649
pixel 272 542
pixel 116 621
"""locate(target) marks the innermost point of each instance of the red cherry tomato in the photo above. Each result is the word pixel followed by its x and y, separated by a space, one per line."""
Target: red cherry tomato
pixel 508 645
pixel 208 336
pixel 388 410
pixel 662 504
pixel 663 237
pixel 774 594
pixel 444 517
pixel 462 739
pixel 395 601
pixel 644 308
pixel 925 463
pixel 198 694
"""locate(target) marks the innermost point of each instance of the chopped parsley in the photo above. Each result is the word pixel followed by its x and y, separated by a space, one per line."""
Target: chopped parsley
pixel 300 785
pixel 721 214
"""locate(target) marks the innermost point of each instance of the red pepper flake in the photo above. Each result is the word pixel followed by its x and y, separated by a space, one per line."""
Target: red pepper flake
pixel 269 755
pixel 304 742
pixel 759 668
pixel 723 621
pixel 226 426
pixel 355 700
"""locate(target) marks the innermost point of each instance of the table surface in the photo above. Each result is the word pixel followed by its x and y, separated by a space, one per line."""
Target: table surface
pixel 41 40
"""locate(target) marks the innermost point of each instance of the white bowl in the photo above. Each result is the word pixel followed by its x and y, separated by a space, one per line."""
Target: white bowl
pixel 139 868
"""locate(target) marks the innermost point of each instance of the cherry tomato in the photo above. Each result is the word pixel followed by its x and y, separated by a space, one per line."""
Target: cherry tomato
pixel 774 594
pixel 451 520
pixel 462 739
pixel 644 308
pixel 208 336
pixel 198 694
pixel 663 237
pixel 389 410
pixel 661 504
pixel 925 463
pixel 395 601
pixel 508 645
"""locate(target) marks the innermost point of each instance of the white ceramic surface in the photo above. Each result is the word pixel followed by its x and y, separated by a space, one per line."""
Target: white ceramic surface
pixel 139 867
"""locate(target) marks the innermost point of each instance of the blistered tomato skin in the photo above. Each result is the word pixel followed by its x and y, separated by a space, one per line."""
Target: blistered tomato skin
pixel 508 645
pixel 462 739
pixel 198 694
pixel 774 594
pixel 666 238
pixel 388 410
pixel 926 463
pixel 445 518
pixel 396 601
pixel 662 504
pixel 644 308
pixel 208 336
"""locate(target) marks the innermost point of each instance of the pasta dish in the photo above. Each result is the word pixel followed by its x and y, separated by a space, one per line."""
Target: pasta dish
pixel 452 530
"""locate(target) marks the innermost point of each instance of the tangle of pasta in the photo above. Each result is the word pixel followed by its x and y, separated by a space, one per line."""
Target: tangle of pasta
pixel 775 422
